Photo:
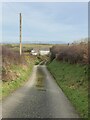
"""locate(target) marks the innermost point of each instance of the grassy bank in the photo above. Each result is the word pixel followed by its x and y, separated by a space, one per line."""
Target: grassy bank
pixel 24 74
pixel 16 70
pixel 72 78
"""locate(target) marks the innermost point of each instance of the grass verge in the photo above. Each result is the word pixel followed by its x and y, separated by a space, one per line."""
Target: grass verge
pixel 73 80
pixel 24 74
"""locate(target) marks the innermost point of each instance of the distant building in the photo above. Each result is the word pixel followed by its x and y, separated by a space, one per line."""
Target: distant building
pixel 44 52
pixel 33 52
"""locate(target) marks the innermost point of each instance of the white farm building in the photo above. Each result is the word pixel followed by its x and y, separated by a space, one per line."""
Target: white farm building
pixel 33 52
pixel 44 52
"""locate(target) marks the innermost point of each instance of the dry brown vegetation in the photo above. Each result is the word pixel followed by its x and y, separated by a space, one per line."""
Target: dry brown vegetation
pixel 74 53
pixel 12 58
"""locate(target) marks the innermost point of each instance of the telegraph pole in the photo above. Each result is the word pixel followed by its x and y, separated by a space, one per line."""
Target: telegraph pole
pixel 20 34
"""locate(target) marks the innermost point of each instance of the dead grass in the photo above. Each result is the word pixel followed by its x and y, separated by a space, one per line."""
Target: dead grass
pixel 11 57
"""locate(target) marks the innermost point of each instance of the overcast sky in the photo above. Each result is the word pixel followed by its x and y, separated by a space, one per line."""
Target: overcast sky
pixel 45 22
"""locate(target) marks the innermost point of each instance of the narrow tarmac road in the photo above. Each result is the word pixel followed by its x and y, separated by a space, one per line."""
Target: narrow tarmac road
pixel 31 101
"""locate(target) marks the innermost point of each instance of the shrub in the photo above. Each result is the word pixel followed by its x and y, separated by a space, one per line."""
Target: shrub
pixel 75 53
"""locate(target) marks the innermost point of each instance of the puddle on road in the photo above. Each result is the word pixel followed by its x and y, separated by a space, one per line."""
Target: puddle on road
pixel 40 80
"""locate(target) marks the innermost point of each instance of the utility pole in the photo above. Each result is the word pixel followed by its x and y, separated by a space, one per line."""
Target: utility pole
pixel 20 34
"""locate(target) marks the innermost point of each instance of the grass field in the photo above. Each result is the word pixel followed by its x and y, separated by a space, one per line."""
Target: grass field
pixel 28 46
pixel 73 80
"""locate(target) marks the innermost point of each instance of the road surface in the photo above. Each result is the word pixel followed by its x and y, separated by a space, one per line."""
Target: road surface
pixel 31 102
